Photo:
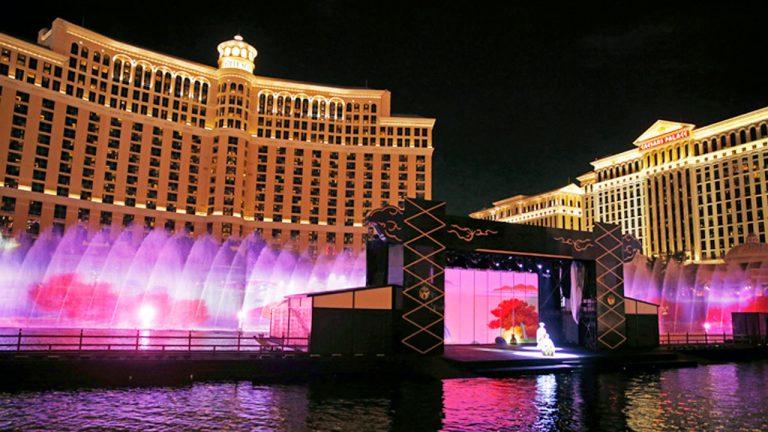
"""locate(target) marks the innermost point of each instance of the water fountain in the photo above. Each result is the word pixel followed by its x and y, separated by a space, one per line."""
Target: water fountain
pixel 699 298
pixel 157 280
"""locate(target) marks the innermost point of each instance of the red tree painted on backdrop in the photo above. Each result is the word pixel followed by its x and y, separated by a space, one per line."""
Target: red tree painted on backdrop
pixel 512 312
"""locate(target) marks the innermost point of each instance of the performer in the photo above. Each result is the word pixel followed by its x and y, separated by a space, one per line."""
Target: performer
pixel 541 333
pixel 547 346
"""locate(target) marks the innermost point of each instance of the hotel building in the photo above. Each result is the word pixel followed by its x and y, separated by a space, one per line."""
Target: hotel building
pixel 560 208
pixel 685 191
pixel 99 132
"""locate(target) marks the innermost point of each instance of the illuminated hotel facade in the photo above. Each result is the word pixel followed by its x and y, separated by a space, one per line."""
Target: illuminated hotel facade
pixel 102 133
pixel 560 208
pixel 685 191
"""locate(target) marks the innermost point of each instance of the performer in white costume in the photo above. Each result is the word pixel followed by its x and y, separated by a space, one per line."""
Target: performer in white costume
pixel 541 333
pixel 547 346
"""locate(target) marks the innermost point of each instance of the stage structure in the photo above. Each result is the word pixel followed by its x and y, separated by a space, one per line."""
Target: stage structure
pixel 453 269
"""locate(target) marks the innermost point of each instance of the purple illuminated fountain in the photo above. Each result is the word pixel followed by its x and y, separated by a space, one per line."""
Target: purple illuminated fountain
pixel 698 298
pixel 157 280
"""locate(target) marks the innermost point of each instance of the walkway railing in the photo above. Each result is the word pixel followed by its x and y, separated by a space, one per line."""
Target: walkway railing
pixel 147 340
pixel 681 340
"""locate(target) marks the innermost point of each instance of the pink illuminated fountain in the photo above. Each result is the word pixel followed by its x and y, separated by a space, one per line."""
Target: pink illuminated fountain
pixel 157 280
pixel 699 298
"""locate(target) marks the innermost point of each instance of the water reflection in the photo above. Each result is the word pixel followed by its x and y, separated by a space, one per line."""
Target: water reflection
pixel 717 397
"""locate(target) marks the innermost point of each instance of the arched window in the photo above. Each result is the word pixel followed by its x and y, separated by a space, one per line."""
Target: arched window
pixel 705 147
pixel 158 81
pixel 96 58
pixel 752 133
pixel 185 89
pixel 305 107
pixel 349 107
pixel 177 86
pixel 117 70
pixel 204 97
pixel 763 130
pixel 339 111
pixel 322 108
pixel 262 102
pixel 280 104
pixel 270 103
pixel 196 90
pixel 315 108
pixel 723 142
pixel 126 72
pixel 332 109
pixel 84 52
pixel 147 78
pixel 74 48
pixel 240 89
pixel 373 108
pixel 167 83
pixel 138 74
pixel 743 137
pixel 297 105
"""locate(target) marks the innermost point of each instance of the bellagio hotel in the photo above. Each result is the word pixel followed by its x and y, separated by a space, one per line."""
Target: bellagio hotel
pixel 98 132
pixel 684 191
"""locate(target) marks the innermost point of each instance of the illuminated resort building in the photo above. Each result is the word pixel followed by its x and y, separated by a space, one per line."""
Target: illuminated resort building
pixel 99 132
pixel 685 191
pixel 560 208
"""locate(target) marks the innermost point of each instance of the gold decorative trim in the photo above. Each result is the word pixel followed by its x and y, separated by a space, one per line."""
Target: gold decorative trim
pixel 426 280
pixel 579 245
pixel 468 234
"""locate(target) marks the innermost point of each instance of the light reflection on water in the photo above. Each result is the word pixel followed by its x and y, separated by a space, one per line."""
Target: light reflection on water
pixel 717 397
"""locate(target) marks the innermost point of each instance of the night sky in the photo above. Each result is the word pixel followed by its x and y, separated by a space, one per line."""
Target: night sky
pixel 525 95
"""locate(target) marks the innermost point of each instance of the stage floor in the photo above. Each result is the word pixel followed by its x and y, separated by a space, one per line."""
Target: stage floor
pixel 524 353
pixel 492 361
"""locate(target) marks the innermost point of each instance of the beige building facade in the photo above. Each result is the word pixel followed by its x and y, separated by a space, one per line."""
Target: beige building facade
pixel 560 208
pixel 98 132
pixel 685 191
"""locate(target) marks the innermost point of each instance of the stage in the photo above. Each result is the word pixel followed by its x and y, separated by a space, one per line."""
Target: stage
pixel 492 361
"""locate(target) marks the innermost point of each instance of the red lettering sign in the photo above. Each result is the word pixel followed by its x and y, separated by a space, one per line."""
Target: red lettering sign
pixel 665 139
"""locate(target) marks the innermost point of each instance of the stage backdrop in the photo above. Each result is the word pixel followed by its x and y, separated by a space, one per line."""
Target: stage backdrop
pixel 471 296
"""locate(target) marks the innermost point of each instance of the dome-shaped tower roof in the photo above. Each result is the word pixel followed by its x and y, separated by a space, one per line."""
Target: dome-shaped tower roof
pixel 237 54
pixel 749 252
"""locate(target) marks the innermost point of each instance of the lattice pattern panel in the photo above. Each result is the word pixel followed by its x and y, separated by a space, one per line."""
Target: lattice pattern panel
pixel 611 320
pixel 424 280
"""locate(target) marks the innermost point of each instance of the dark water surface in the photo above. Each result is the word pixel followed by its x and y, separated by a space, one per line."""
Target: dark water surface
pixel 727 397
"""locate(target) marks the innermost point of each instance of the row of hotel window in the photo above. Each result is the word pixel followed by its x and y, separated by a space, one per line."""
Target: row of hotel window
pixel 35 211
pixel 726 140
pixel 189 110
pixel 39 175
pixel 192 111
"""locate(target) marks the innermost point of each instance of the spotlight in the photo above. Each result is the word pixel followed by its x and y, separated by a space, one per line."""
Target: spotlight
pixel 706 326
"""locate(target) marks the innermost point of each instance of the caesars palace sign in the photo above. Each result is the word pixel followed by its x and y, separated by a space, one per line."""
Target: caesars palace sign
pixel 665 139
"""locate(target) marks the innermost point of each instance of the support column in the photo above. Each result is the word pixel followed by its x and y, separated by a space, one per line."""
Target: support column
pixel 423 277
pixel 609 265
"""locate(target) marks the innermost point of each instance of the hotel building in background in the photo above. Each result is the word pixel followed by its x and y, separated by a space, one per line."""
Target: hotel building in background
pixel 685 191
pixel 99 132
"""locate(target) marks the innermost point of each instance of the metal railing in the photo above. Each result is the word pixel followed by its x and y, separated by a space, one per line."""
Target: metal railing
pixel 695 339
pixel 145 340
pixel 708 339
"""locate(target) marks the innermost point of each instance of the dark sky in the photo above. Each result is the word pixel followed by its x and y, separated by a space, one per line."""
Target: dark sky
pixel 525 94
